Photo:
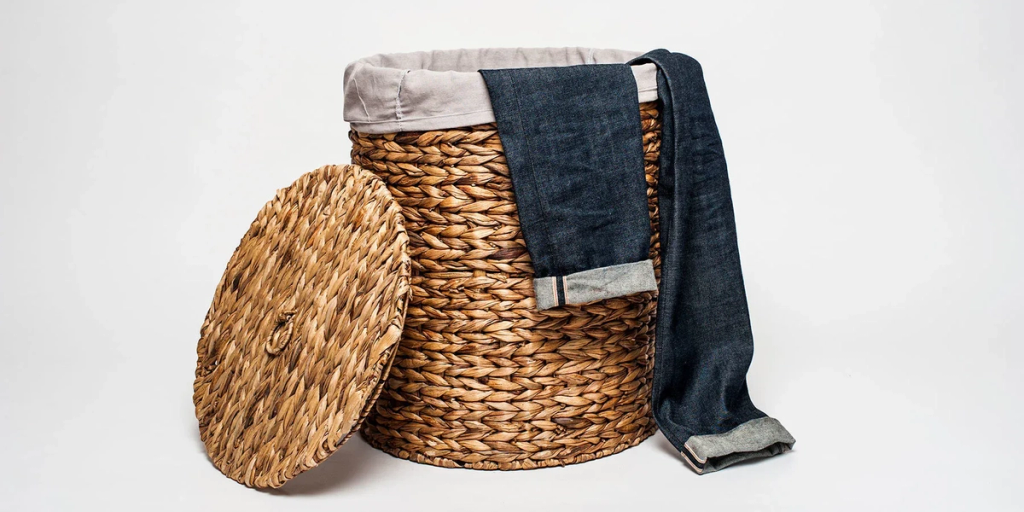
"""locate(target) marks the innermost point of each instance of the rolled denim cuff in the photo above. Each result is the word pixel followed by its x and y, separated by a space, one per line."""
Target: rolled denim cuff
pixel 595 284
pixel 761 437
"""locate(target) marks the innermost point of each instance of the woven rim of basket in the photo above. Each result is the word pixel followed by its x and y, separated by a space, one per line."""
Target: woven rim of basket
pixel 303 326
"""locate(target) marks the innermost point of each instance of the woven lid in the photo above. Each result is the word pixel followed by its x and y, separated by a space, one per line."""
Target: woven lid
pixel 303 326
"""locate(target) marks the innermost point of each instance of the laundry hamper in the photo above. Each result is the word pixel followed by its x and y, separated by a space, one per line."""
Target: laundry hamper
pixel 482 379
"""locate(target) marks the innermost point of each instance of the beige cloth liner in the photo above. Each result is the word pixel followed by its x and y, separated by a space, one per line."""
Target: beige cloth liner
pixel 442 89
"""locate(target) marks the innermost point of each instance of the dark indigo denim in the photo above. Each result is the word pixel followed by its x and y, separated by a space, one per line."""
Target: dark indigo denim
pixel 579 175
pixel 704 345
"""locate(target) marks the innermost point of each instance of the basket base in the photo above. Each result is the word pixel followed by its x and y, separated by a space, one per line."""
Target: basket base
pixel 517 461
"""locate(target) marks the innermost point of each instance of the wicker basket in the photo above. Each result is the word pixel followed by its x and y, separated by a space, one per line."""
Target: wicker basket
pixel 481 379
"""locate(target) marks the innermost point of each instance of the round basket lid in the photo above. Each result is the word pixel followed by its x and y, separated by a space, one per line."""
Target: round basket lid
pixel 303 326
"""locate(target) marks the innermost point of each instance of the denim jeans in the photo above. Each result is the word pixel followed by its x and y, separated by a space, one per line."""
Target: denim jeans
pixel 572 139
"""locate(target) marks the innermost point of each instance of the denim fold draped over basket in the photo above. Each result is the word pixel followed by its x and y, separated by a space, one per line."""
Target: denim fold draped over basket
pixel 570 129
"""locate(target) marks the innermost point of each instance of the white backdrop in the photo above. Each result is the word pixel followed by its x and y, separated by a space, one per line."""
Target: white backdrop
pixel 876 162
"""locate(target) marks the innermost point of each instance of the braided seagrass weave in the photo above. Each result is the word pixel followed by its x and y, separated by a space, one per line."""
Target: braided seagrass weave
pixel 302 327
pixel 481 379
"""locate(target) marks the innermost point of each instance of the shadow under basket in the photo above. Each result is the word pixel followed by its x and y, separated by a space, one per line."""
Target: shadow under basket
pixel 482 379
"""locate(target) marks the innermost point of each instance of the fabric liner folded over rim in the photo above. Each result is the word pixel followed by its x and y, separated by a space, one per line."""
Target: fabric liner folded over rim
pixel 441 89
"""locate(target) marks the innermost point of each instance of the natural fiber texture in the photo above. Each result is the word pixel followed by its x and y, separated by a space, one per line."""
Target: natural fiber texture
pixel 302 327
pixel 482 380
